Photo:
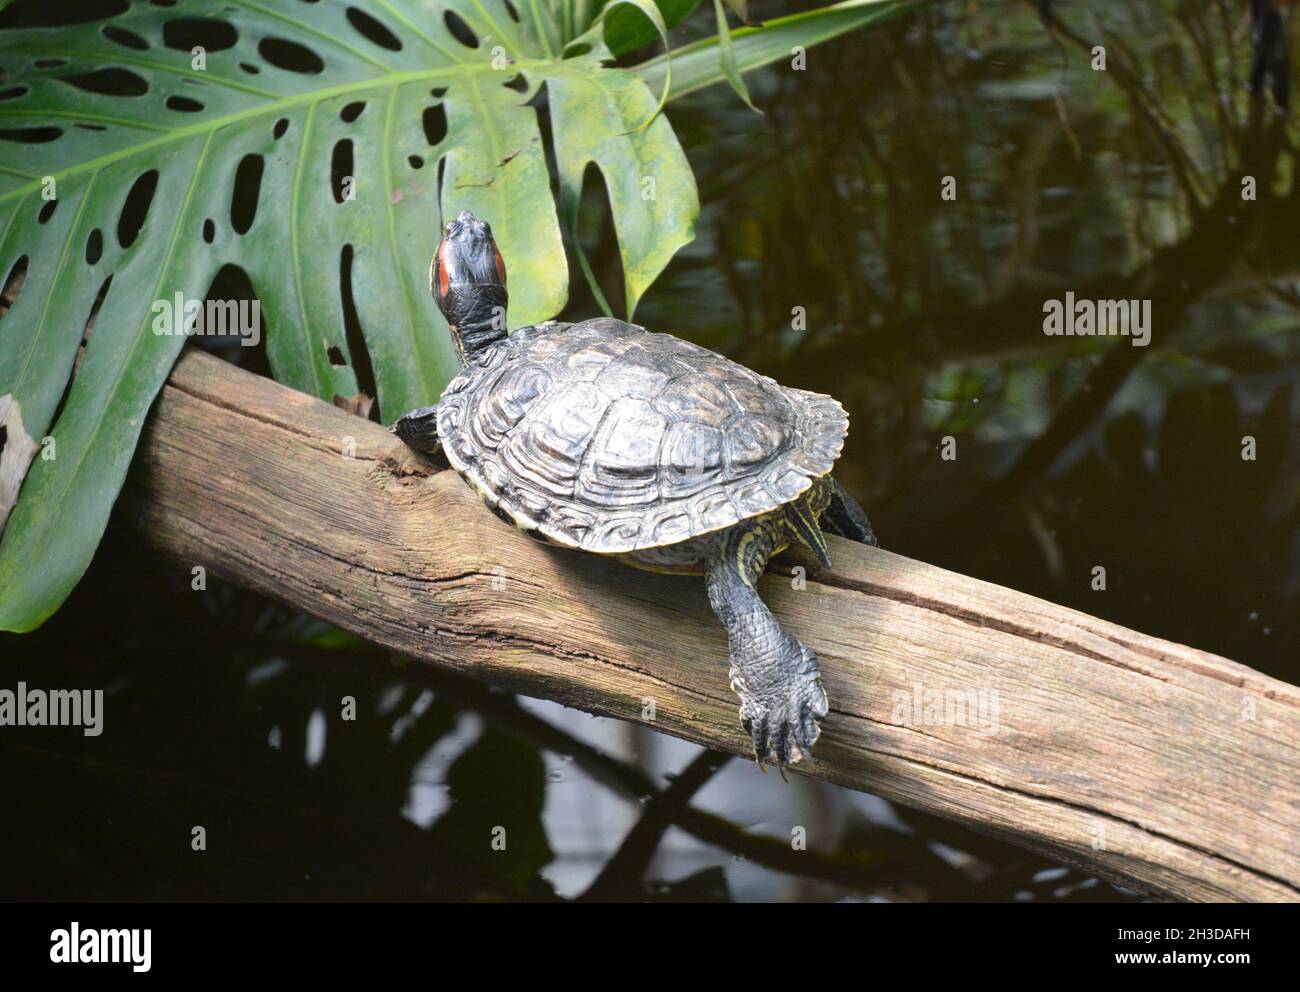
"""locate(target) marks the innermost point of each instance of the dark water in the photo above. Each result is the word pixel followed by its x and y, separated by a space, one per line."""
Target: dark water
pixel 924 317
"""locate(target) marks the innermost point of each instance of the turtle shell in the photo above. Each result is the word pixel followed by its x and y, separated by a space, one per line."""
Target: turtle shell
pixel 606 437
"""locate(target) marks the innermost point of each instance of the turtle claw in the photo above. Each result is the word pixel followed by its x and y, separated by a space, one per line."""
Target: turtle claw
pixel 782 718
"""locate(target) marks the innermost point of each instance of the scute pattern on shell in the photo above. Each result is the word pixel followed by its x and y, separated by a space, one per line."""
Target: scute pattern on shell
pixel 606 437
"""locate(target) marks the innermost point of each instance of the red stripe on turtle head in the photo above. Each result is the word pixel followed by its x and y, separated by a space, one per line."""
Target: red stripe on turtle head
pixel 442 278
pixel 501 264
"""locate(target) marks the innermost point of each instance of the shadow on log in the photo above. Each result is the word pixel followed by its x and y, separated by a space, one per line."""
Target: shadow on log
pixel 1158 766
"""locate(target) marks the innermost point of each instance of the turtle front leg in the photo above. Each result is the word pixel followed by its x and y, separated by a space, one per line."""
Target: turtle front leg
pixel 844 517
pixel 775 676
pixel 419 429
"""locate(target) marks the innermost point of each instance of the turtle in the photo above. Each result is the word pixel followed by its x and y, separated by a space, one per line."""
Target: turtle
pixel 604 437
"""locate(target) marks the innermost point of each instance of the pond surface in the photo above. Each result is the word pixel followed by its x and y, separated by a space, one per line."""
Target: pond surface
pixel 827 258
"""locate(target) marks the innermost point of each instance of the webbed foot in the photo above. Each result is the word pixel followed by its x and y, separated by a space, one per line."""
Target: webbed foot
pixel 781 694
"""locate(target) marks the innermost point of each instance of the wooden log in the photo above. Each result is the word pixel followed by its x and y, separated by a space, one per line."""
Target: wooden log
pixel 1156 765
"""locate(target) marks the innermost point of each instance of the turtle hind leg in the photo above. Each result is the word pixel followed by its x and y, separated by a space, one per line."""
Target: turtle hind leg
pixel 419 429
pixel 844 517
pixel 775 676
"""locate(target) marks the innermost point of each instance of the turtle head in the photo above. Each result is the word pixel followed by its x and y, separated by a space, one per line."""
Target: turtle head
pixel 468 282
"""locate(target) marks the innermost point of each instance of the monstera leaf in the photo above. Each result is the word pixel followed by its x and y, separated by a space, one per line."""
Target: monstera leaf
pixel 316 146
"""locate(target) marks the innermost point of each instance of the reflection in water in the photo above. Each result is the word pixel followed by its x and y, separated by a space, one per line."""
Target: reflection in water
pixel 828 258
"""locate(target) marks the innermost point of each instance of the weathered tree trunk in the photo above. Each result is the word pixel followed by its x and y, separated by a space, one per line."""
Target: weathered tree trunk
pixel 1154 764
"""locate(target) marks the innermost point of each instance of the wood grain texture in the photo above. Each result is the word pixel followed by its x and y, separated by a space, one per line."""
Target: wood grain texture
pixel 1159 766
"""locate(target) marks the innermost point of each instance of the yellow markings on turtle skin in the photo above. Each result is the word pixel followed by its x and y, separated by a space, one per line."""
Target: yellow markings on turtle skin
pixel 742 547
pixel 821 494
pixel 757 527
pixel 803 525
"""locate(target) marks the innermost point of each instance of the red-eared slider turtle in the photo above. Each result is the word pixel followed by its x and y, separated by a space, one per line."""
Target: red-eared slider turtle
pixel 604 437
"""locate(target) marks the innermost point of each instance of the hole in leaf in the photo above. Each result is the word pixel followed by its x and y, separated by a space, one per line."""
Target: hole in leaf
pixel 361 366
pixel 163 3
pixel 243 198
pixel 281 126
pixel 416 162
pixel 50 63
pixel 438 92
pixel 185 33
pixel 341 168
pixel 249 68
pixel 290 55
pixel 136 208
pixel 90 127
pixel 43 14
pixel 13 285
pixel 460 30
pixel 352 111
pixel 442 175
pixel 125 38
pixel 13 93
pixel 47 211
pixel 94 312
pixel 30 135
pixel 435 124
pixel 110 82
pixel 373 30
pixel 517 83
pixel 94 246
pixel 220 315
pixel 335 355
pixel 86 330
pixel 231 313
pixel 184 104
pixel 597 238
pixel 510 9
pixel 209 230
